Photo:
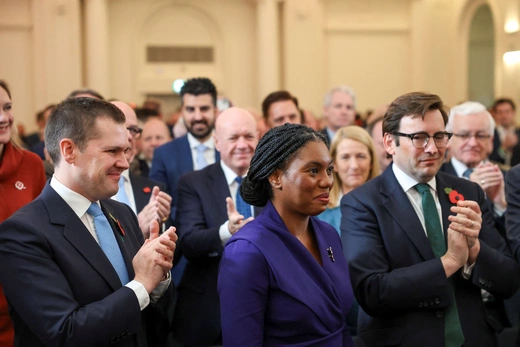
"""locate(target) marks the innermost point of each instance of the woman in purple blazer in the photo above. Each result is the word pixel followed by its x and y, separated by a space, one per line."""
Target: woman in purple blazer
pixel 283 278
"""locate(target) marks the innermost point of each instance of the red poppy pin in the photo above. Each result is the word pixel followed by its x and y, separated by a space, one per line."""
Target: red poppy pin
pixel 454 195
pixel 147 190
pixel 119 226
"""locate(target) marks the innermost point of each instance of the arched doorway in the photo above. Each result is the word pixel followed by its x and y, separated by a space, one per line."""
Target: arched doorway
pixel 481 57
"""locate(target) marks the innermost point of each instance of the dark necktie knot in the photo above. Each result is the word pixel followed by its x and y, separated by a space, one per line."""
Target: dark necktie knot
pixel 467 173
pixel 239 180
pixel 422 188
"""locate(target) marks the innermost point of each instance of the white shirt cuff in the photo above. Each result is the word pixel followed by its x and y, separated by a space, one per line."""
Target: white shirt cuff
pixel 224 233
pixel 499 211
pixel 140 293
pixel 467 271
pixel 160 289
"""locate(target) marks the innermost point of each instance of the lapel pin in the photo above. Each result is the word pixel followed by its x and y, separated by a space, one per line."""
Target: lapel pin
pixel 147 190
pixel 331 254
pixel 19 185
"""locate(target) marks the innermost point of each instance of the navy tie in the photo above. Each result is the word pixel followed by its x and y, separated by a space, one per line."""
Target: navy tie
pixel 108 242
pixel 242 207
pixel 467 173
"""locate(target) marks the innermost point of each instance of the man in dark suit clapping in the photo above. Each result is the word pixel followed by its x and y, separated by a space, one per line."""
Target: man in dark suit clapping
pixel 73 263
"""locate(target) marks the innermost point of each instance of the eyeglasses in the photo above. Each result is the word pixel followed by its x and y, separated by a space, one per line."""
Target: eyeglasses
pixel 135 130
pixel 421 139
pixel 478 137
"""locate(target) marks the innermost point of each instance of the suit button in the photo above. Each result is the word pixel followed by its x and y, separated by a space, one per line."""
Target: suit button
pixel 437 301
pixel 439 314
pixel 481 281
pixel 426 304
pixel 421 304
pixel 432 303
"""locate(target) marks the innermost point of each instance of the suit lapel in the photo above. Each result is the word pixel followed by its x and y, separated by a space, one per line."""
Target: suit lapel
pixel 218 187
pixel 445 205
pixel 141 198
pixel 397 203
pixel 78 235
pixel 184 155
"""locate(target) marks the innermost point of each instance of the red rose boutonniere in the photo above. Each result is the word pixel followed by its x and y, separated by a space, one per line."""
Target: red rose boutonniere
pixel 454 195
pixel 147 190
pixel 119 226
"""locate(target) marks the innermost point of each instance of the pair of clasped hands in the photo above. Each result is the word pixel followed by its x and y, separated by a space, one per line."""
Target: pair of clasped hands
pixel 463 231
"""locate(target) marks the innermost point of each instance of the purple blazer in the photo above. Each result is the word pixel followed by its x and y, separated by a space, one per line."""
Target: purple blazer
pixel 273 292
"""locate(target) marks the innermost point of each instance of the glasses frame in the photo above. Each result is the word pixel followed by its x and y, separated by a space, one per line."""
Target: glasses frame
pixel 135 131
pixel 411 137
pixel 478 137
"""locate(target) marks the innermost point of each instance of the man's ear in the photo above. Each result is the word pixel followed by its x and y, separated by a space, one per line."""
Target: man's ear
pixel 68 150
pixel 275 179
pixel 215 141
pixel 389 143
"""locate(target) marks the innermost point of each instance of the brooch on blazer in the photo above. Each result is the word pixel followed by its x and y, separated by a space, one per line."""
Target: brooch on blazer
pixel 454 195
pixel 121 230
pixel 147 190
pixel 331 254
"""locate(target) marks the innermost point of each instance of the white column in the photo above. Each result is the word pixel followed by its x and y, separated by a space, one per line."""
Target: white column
pixel 96 46
pixel 268 38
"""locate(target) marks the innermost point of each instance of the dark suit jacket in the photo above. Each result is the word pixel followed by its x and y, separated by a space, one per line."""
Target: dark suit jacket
pixel 513 210
pixel 326 134
pixel 500 222
pixel 398 282
pixel 142 188
pixel 201 212
pixel 170 162
pixel 61 288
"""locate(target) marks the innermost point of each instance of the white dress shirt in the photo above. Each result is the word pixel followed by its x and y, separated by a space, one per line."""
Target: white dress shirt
pixel 225 235
pixel 79 204
pixel 128 190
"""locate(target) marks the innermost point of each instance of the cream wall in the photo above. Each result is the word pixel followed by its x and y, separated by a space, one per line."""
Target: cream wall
pixel 380 48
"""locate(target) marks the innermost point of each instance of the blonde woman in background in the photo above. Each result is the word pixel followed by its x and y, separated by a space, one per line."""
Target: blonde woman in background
pixel 355 163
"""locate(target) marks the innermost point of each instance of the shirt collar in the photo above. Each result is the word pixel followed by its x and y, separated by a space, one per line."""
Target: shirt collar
pixel 194 142
pixel 406 182
pixel 459 166
pixel 77 202
pixel 230 174
pixel 126 175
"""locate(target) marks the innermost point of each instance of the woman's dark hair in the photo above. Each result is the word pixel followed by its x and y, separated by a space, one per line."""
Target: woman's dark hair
pixel 3 84
pixel 274 151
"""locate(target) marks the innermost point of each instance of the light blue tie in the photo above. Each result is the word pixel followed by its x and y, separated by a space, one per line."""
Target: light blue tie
pixel 121 193
pixel 467 173
pixel 201 160
pixel 242 207
pixel 108 242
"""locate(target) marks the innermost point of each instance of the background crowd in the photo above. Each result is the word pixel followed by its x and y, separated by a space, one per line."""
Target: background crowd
pixel 203 169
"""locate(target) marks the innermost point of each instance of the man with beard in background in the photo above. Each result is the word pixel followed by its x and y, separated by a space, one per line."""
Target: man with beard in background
pixel 193 151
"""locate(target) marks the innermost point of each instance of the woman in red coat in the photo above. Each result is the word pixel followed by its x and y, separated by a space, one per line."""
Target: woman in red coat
pixel 22 178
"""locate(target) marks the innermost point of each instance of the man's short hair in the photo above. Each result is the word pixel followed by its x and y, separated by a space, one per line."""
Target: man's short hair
pixel 372 125
pixel 199 86
pixel 467 108
pixel 75 119
pixel 412 104
pixel 278 96
pixel 503 101
pixel 88 91
pixel 343 89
